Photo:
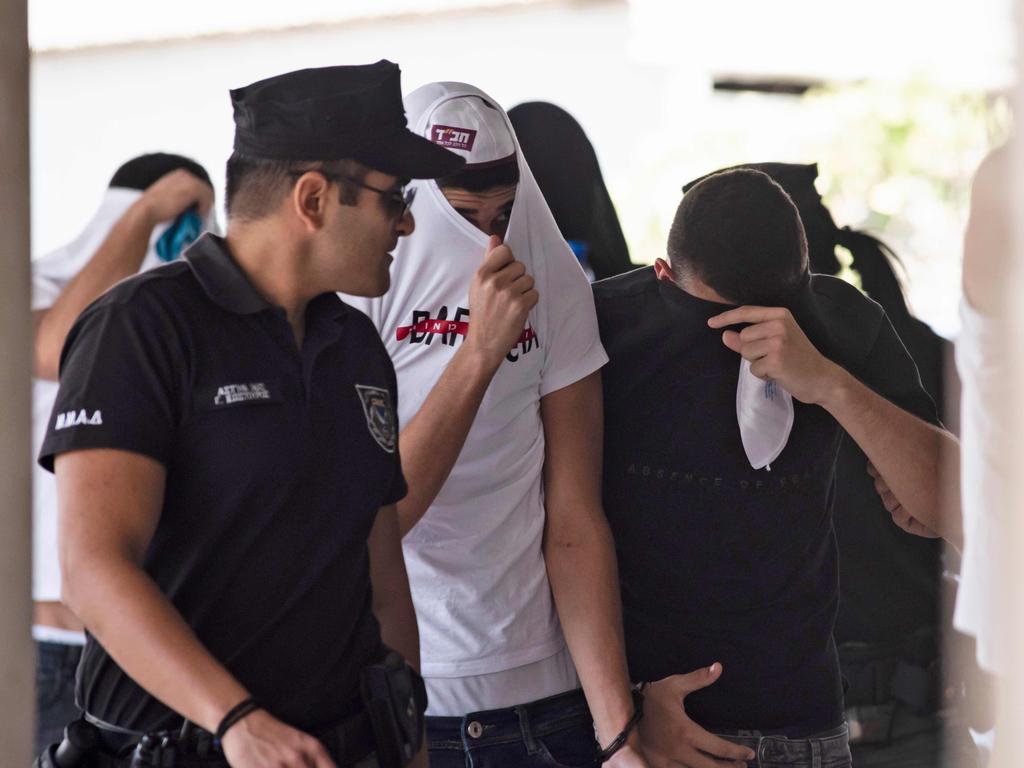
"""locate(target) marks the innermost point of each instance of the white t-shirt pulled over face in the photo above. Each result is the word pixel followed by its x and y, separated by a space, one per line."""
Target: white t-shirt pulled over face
pixel 475 563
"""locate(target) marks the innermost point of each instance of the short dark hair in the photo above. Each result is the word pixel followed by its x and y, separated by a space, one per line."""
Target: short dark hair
pixel 483 176
pixel 140 172
pixel 739 233
pixel 255 186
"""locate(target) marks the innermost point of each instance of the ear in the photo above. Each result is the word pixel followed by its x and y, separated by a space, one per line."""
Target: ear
pixel 309 199
pixel 663 271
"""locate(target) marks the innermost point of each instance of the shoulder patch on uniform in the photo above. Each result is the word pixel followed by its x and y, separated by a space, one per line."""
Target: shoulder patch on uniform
pixel 380 415
pixel 78 418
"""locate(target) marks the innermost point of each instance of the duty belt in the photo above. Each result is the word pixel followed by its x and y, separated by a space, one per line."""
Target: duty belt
pixel 94 744
pixel 893 688
pixel 908 673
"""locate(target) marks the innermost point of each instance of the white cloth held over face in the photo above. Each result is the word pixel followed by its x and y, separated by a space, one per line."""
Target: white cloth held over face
pixel 52 272
pixel 764 411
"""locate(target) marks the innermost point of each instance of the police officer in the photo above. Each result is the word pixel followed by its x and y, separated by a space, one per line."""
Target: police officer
pixel 225 444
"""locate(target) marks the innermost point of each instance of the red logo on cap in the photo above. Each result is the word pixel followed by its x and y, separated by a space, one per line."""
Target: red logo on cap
pixel 453 138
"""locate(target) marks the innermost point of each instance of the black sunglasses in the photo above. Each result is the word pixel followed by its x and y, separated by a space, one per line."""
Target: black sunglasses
pixel 398 200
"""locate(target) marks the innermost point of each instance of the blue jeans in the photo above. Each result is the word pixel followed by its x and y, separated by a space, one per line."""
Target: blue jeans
pixel 549 733
pixel 55 691
pixel 829 749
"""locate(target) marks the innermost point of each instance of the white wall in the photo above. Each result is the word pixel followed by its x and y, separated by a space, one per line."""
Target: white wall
pixel 637 75
pixel 92 109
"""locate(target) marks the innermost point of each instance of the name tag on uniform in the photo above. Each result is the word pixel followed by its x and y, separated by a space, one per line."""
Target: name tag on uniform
pixel 215 397
pixel 228 394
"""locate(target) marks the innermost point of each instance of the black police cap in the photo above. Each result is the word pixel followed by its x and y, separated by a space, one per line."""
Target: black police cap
pixel 333 113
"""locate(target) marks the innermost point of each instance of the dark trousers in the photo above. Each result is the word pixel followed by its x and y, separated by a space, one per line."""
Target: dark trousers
pixel 549 733
pixel 55 691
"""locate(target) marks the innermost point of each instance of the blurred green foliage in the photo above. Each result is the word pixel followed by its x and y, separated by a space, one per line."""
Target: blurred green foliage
pixel 894 158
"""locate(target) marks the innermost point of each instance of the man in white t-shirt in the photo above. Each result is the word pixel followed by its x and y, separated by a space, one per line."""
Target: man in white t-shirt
pixel 491 326
pixel 136 227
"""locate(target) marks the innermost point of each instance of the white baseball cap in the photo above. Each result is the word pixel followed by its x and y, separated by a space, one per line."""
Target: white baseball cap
pixel 473 128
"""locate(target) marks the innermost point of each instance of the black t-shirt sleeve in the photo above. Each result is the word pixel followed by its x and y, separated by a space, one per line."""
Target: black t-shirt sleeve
pixel 890 371
pixel 116 386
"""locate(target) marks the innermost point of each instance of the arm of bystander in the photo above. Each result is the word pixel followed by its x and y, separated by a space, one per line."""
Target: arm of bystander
pixel 118 257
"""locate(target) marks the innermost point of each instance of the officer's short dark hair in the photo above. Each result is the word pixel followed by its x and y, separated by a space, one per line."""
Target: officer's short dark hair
pixel 255 186
pixel 140 172
pixel 740 234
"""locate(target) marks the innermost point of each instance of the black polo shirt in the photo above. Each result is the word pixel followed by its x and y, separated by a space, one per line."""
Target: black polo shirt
pixel 277 462
pixel 718 561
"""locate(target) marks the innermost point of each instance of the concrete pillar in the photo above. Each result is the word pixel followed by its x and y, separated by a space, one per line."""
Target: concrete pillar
pixel 17 663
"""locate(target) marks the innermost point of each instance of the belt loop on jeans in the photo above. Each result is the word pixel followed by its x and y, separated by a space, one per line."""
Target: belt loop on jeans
pixel 815 752
pixel 524 729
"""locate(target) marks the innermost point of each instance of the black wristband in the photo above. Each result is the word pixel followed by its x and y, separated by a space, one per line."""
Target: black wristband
pixel 236 713
pixel 619 741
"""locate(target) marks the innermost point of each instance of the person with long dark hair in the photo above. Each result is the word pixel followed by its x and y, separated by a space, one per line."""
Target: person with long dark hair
pixel 565 166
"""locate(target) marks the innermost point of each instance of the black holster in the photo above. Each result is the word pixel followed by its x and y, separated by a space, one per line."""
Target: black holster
pixel 909 673
pixel 78 749
pixel 395 700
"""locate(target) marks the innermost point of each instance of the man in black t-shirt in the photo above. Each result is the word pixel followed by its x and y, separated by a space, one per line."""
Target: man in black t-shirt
pixel 225 446
pixel 726 568
pixel 903 705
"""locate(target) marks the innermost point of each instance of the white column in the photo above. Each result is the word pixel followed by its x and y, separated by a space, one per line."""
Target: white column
pixel 1010 699
pixel 16 651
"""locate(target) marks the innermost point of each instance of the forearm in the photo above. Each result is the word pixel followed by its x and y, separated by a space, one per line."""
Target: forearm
pixel 392 600
pixel 580 555
pixel 917 460
pixel 398 629
pixel 119 256
pixel 433 439
pixel 584 582
pixel 392 605
pixel 149 640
